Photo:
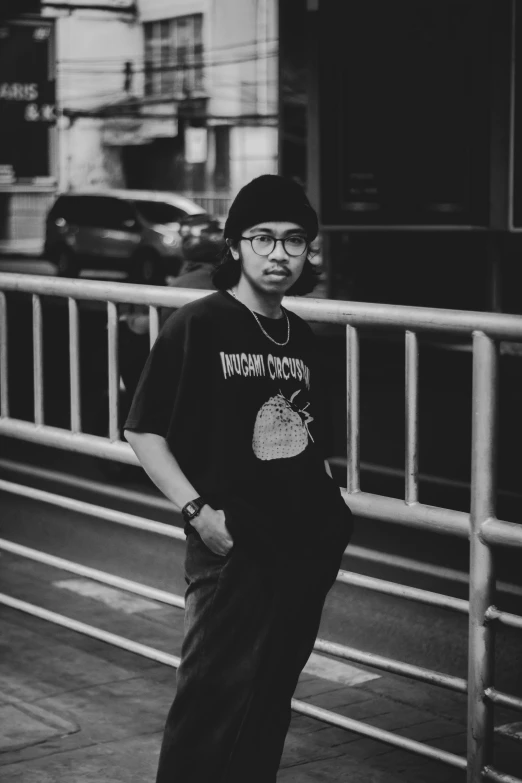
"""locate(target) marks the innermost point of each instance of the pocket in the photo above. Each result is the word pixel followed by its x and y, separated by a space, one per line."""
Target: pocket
pixel 201 563
pixel 207 550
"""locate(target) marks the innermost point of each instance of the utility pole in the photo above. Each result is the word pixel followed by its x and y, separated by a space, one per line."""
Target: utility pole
pixel 128 76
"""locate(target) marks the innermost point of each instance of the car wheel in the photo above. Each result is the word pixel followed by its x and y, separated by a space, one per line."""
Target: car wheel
pixel 66 263
pixel 148 269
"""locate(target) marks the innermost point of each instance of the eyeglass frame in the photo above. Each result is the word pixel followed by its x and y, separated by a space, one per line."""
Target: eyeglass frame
pixel 275 241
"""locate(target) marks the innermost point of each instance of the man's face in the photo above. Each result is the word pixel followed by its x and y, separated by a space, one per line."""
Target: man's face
pixel 277 271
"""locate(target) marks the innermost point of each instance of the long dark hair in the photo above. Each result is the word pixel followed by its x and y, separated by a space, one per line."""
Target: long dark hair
pixel 227 274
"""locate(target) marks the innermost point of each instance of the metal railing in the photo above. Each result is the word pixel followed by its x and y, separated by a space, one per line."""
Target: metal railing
pixel 481 526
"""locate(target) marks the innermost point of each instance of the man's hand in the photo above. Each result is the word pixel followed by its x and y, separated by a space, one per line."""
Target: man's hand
pixel 210 524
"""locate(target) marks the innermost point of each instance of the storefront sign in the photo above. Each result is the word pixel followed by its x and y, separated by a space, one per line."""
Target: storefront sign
pixel 27 100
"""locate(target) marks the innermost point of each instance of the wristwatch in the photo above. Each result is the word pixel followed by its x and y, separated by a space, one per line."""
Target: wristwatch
pixel 191 509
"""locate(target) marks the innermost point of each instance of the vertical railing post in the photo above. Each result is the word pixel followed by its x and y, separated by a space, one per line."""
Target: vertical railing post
pixel 113 370
pixel 352 409
pixel 411 417
pixel 153 324
pixel 38 361
pixel 4 372
pixel 481 634
pixel 74 367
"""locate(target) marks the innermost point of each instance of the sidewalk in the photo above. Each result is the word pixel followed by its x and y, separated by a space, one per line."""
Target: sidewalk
pixel 76 710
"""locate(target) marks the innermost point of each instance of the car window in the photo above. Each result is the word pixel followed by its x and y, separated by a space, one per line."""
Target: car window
pixel 90 211
pixel 66 207
pixel 160 212
pixel 112 213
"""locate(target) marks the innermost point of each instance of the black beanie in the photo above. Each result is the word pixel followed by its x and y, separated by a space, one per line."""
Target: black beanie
pixel 270 197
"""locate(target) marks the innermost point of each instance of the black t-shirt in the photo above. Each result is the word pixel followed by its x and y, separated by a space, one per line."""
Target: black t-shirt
pixel 245 418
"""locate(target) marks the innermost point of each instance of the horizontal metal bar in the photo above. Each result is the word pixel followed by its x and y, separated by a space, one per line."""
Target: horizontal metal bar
pixel 363 504
pixel 420 567
pixel 490 773
pixel 381 735
pixel 88 485
pixel 438 520
pixel 403 591
pixel 496 531
pixel 80 443
pixel 93 573
pixel 505 618
pixel 331 648
pixel 343 228
pixel 101 290
pixel 504 699
pixel 100 512
pixel 419 673
pixel 122 518
pixel 161 503
pixel 301 707
pixel 89 630
pixel 340 312
pixel 428 478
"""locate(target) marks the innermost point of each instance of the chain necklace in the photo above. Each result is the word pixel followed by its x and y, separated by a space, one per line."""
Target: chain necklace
pixel 261 325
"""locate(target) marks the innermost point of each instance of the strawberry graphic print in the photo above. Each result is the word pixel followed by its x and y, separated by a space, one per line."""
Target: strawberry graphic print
pixel 281 428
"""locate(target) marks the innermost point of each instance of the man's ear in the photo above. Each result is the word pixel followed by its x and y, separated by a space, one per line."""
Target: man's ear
pixel 234 250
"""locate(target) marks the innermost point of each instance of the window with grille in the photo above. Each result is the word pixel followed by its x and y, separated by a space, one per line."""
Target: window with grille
pixel 174 56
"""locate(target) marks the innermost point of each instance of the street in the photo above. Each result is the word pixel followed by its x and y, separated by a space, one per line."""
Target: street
pixel 364 155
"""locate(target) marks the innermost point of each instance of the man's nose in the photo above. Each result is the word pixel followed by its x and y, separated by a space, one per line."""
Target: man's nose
pixel 279 253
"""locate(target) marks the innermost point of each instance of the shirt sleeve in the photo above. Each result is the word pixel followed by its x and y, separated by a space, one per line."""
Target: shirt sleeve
pixel 155 395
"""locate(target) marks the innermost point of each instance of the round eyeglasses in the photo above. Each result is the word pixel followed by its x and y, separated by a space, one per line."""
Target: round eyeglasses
pixel 263 245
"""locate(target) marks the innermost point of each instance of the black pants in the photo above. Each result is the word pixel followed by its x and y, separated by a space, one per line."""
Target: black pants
pixel 249 630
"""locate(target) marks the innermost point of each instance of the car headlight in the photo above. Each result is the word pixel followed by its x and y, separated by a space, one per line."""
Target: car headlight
pixel 169 240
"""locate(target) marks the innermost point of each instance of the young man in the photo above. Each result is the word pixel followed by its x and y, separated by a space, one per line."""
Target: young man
pixel 227 421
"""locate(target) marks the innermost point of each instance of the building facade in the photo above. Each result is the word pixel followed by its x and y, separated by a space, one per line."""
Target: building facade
pixel 212 64
pixel 158 94
pixel 402 117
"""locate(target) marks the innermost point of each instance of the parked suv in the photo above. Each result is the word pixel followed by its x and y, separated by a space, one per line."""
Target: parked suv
pixel 137 231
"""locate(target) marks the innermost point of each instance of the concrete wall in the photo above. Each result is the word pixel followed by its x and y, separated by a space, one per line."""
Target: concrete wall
pixel 88 162
pixel 253 151
pixel 91 49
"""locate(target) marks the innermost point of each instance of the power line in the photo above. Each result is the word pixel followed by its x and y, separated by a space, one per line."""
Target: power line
pixel 187 65
pixel 226 47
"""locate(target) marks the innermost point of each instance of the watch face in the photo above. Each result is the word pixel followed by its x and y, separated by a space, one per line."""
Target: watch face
pixel 192 508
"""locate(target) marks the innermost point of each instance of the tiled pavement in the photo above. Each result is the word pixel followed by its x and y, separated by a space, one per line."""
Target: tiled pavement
pixel 76 710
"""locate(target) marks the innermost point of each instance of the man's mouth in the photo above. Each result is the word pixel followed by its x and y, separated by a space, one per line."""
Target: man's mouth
pixel 278 272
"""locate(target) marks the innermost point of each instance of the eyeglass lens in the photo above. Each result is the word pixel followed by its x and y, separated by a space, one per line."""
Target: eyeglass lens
pixel 263 245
